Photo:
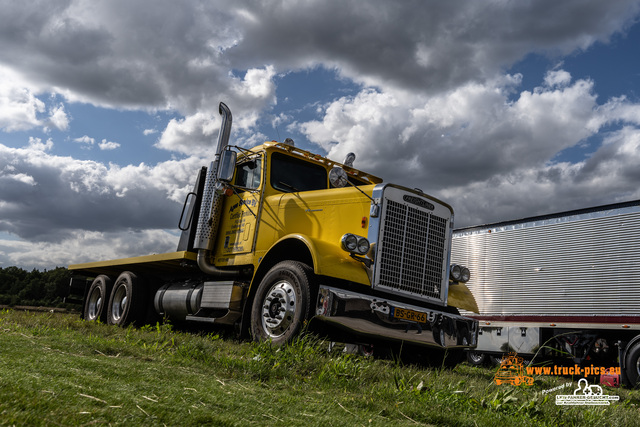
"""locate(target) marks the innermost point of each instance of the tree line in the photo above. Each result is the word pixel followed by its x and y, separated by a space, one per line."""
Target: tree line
pixel 33 288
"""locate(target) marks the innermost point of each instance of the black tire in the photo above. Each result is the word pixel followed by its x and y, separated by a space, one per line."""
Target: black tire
pixel 95 305
pixel 495 360
pixel 283 302
pixel 632 365
pixel 128 300
pixel 475 358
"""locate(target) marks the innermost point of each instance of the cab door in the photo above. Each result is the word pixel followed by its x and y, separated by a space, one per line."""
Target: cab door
pixel 238 221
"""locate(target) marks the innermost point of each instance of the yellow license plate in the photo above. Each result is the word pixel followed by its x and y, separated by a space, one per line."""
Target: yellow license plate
pixel 406 314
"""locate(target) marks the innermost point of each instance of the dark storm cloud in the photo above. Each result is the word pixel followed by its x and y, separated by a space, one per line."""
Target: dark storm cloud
pixel 429 46
pixel 46 198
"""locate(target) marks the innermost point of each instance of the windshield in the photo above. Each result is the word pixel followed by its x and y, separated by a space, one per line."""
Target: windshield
pixel 289 174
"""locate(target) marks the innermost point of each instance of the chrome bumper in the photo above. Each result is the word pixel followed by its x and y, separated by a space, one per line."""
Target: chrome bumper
pixel 375 317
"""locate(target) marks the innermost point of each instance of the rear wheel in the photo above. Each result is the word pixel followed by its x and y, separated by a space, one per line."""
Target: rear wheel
pixel 282 303
pixel 632 365
pixel 95 306
pixel 476 358
pixel 128 301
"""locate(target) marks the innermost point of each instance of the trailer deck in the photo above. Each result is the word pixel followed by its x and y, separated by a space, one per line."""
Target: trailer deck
pixel 155 265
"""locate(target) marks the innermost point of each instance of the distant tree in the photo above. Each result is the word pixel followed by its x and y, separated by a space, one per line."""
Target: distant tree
pixel 20 287
pixel 11 279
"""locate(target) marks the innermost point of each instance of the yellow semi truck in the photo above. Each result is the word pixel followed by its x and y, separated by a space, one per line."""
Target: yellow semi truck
pixel 275 236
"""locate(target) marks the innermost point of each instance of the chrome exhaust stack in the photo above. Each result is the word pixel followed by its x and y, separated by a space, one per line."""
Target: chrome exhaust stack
pixel 212 198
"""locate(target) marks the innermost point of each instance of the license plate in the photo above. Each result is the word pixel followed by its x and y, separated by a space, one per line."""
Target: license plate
pixel 406 314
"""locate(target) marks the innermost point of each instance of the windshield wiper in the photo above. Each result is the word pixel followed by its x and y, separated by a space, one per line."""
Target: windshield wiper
pixel 288 186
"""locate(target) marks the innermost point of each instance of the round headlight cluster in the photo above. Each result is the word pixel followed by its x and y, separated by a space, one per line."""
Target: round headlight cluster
pixel 459 273
pixel 355 244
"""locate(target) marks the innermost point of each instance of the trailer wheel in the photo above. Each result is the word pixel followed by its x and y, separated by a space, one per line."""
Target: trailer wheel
pixel 282 303
pixel 475 358
pixel 632 365
pixel 95 306
pixel 127 303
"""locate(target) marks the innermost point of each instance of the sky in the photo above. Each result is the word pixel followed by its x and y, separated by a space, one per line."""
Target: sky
pixel 504 109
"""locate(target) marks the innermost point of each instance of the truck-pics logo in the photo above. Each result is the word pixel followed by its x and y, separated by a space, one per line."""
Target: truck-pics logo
pixel 511 371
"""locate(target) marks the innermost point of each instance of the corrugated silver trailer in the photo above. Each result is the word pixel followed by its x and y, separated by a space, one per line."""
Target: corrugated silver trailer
pixel 566 283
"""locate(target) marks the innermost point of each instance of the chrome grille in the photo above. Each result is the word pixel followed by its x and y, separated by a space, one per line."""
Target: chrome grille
pixel 412 250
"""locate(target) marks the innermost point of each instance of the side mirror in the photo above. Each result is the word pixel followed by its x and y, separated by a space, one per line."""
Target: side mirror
pixel 338 177
pixel 227 165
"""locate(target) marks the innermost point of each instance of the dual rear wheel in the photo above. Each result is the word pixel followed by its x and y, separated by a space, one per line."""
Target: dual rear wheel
pixel 119 303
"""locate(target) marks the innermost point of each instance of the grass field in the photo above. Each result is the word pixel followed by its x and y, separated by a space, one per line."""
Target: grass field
pixel 56 369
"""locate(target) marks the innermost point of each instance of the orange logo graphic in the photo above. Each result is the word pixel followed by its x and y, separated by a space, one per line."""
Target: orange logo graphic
pixel 511 371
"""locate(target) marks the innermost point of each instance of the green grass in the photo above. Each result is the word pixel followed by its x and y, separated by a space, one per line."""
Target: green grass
pixel 56 369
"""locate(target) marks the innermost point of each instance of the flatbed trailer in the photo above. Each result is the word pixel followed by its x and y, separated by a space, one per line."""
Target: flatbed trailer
pixel 565 284
pixel 167 264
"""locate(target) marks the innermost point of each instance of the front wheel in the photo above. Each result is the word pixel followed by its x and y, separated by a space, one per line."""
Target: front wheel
pixel 283 302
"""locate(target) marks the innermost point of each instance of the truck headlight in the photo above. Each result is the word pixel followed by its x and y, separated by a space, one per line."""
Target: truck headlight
pixel 456 272
pixel 459 273
pixel 466 275
pixel 363 246
pixel 355 244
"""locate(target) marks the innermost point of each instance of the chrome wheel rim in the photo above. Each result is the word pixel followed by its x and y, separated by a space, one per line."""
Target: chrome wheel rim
pixel 119 303
pixel 94 304
pixel 278 309
pixel 476 357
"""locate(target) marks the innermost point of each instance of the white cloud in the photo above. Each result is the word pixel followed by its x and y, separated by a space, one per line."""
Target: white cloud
pixel 36 145
pixel 557 78
pixel 196 134
pixel 193 134
pixel 86 140
pixel 108 145
pixel 58 117
pixel 19 107
pixel 257 84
